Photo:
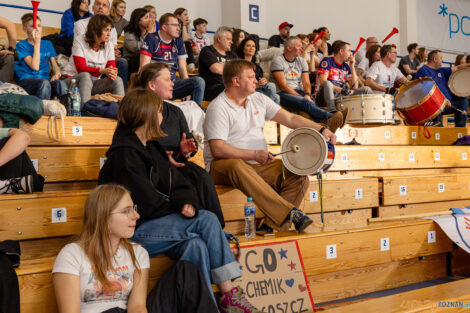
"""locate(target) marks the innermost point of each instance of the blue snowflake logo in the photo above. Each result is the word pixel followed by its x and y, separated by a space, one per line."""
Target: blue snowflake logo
pixel 443 10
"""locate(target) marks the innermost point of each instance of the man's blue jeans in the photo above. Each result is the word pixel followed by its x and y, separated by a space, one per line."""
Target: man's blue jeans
pixel 459 103
pixel 297 103
pixel 269 89
pixel 199 240
pixel 192 86
pixel 43 88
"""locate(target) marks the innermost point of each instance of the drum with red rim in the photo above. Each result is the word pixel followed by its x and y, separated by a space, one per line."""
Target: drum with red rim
pixel 420 101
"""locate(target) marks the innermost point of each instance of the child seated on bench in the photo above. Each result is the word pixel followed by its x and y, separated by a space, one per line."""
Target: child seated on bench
pixel 104 272
pixel 32 69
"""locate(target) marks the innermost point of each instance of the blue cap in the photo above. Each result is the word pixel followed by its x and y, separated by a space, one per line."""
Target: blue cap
pixel 249 199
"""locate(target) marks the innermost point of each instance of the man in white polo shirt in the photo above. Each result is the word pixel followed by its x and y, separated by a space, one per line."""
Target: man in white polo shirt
pixel 236 152
pixel 382 75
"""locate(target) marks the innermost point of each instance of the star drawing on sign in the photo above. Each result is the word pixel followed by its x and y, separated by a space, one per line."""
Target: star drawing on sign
pixel 443 10
pixel 292 265
pixel 283 253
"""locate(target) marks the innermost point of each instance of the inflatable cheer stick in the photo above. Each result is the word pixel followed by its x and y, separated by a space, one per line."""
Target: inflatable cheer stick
pixel 35 12
pixel 361 41
pixel 394 31
pixel 319 36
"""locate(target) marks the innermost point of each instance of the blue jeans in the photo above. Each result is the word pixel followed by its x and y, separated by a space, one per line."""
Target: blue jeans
pixel 199 240
pixel 459 103
pixel 269 90
pixel 43 88
pixel 123 69
pixel 297 103
pixel 192 86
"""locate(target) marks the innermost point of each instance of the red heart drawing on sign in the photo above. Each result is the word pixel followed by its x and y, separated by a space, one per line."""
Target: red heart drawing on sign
pixel 302 288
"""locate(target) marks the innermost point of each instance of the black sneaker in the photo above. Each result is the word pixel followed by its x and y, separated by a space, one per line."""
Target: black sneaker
pixel 17 185
pixel 300 220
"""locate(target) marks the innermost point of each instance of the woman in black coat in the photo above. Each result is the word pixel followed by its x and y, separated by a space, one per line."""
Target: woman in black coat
pixel 171 218
pixel 179 142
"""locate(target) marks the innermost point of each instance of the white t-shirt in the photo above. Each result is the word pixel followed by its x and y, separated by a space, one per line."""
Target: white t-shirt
pixel 95 59
pixel 201 42
pixel 238 126
pixel 72 260
pixel 360 56
pixel 383 75
pixel 79 30
pixel 364 66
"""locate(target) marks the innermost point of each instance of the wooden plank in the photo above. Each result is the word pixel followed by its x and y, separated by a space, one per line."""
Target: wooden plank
pixel 21 35
pixel 403 172
pixel 340 220
pixel 44 247
pixel 418 208
pixel 421 189
pixel 406 157
pixel 96 131
pixel 58 164
pixel 354 282
pixel 32 217
pixel 37 293
pixel 393 135
pixel 419 300
pixel 358 247
pixel 460 264
pixel 342 195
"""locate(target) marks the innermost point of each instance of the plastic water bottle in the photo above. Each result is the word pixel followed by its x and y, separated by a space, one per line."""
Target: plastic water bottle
pixel 76 100
pixel 250 210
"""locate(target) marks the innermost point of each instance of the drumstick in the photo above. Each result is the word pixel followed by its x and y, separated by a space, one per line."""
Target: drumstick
pixel 295 148
pixel 461 111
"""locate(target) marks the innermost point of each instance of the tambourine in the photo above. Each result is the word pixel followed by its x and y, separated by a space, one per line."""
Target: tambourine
pixel 306 152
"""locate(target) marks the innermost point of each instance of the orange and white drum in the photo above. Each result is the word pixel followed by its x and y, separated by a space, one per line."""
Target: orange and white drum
pixel 420 101
pixel 306 152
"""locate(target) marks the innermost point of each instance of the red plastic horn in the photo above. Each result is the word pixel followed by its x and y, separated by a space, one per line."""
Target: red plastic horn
pixel 361 41
pixel 35 11
pixel 319 36
pixel 394 31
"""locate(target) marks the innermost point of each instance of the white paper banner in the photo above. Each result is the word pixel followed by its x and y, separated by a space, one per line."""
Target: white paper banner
pixel 444 24
pixel 456 227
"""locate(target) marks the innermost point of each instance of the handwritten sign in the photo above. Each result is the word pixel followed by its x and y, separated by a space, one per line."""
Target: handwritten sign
pixel 274 278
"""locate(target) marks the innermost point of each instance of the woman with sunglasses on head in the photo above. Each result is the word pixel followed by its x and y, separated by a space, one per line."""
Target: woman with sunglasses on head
pixel 172 220
pixel 104 272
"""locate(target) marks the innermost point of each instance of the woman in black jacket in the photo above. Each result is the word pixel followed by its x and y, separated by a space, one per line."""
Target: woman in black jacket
pixel 179 142
pixel 172 221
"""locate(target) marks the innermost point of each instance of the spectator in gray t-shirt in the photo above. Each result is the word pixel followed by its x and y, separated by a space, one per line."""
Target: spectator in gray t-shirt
pixel 290 73
pixel 409 64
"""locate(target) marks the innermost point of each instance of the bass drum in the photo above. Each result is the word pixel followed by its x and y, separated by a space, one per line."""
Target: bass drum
pixel 368 109
pixel 420 101
pixel 459 82
pixel 309 152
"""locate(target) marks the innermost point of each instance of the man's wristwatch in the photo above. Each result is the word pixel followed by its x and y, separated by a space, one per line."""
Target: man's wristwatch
pixel 323 128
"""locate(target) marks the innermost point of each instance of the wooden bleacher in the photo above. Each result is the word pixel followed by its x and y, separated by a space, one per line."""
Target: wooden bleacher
pixel 377 169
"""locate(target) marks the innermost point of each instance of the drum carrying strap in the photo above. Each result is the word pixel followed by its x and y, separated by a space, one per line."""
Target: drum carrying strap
pixel 320 194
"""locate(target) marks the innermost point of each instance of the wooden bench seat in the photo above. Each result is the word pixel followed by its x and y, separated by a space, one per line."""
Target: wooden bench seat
pixel 395 135
pixel 358 251
pixel 419 300
pixel 419 189
pixel 90 131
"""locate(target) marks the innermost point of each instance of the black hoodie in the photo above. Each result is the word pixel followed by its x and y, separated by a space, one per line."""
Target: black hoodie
pixel 156 186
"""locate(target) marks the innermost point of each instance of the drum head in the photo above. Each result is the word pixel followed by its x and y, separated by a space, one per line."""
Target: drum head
pixel 459 82
pixel 411 94
pixel 314 153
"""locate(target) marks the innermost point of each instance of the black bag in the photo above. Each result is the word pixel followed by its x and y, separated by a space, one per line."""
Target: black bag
pixel 67 102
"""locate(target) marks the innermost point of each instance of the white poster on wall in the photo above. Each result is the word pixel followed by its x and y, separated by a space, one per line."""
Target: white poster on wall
pixel 444 24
